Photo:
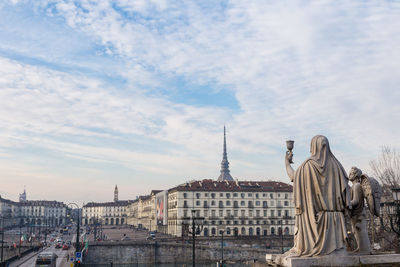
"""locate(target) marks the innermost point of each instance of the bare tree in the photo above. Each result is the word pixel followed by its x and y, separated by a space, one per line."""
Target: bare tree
pixel 387 169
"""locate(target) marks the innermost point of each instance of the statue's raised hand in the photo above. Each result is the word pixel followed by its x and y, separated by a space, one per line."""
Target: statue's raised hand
pixel 289 157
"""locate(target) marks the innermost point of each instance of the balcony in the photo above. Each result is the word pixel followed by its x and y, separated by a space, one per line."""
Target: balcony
pixel 228 217
pixel 287 217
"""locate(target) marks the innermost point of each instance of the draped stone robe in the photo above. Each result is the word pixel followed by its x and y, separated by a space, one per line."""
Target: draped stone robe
pixel 321 195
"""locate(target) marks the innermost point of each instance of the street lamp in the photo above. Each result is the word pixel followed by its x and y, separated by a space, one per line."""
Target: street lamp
pixel 2 238
pixel 77 234
pixel 393 212
pixel 197 227
pixel 221 232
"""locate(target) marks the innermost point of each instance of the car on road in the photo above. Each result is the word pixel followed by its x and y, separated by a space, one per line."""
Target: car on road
pixel 59 245
pixel 46 259
pixel 65 247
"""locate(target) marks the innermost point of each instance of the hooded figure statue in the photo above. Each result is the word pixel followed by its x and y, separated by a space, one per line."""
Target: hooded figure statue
pixel 321 196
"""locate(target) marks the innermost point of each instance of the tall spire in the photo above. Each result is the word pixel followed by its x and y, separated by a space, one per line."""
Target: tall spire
pixel 225 175
pixel 116 193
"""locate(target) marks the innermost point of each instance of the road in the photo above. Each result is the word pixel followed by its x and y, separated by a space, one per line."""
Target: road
pixel 62 260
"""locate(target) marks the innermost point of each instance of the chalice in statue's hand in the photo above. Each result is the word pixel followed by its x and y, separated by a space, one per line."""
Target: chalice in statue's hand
pixel 289 145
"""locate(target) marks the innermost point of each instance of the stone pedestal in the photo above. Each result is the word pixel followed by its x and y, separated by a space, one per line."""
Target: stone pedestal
pixel 335 261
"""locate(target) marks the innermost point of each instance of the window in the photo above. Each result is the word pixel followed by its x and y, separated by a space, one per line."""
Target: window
pixel 249 194
pixel 212 195
pixel 213 213
pixel 235 204
pixel 242 213
pixel 235 194
pixel 265 204
pixel 221 204
pixel 197 202
pixel 264 195
pixel 205 204
pixel 221 194
pixel 257 195
pixel 242 195
pixel 257 203
pixel 271 195
pixel 272 213
pixel 228 213
pixel 286 203
pixel 212 203
pixel 286 196
pixel 250 204
pixel 228 195
pixel 235 213
pixel 286 213
pixel 185 205
pixel 265 213
pixel 221 213
pixel 184 213
pixel 279 195
pixel 257 213
pixel 242 203
pixel 279 213
pixel 250 213
pixel 206 194
pixel 228 203
pixel 197 195
pixel 184 195
pixel 272 203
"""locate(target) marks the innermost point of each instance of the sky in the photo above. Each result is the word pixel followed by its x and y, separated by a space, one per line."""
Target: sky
pixel 136 93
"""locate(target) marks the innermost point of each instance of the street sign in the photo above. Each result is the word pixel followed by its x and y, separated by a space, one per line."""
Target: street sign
pixel 78 255
pixel 72 259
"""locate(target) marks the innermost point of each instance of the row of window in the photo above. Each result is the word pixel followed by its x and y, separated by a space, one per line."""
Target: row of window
pixel 250 231
pixel 244 222
pixel 242 195
pixel 236 203
pixel 235 213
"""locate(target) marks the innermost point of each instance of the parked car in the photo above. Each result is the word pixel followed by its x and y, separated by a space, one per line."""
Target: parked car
pixel 59 245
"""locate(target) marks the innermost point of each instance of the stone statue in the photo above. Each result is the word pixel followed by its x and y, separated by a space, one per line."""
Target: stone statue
pixel 321 196
pixel 368 188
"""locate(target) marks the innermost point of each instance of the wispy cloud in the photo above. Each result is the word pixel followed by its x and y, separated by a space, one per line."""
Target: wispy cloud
pixel 295 69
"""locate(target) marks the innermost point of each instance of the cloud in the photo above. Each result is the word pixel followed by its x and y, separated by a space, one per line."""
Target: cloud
pixel 295 69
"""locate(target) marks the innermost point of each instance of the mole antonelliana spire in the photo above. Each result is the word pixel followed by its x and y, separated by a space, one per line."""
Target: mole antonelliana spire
pixel 116 193
pixel 225 175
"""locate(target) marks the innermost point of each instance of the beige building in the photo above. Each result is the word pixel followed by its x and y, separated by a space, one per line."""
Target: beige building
pixel 240 208
pixel 106 213
pixel 32 212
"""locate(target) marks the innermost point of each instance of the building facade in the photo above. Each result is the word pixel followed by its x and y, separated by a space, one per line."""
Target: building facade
pixel 33 212
pixel 240 208
pixel 107 213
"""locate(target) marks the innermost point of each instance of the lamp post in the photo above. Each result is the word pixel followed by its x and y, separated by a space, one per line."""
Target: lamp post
pixel 2 238
pixel 197 227
pixel 221 232
pixel 393 215
pixel 77 249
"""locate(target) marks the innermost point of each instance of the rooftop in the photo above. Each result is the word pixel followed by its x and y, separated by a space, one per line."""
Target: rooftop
pixel 234 186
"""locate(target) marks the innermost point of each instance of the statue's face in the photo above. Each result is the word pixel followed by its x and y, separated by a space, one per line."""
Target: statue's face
pixel 354 174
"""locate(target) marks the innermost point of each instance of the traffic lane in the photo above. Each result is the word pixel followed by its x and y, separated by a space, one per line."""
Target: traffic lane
pixel 62 260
